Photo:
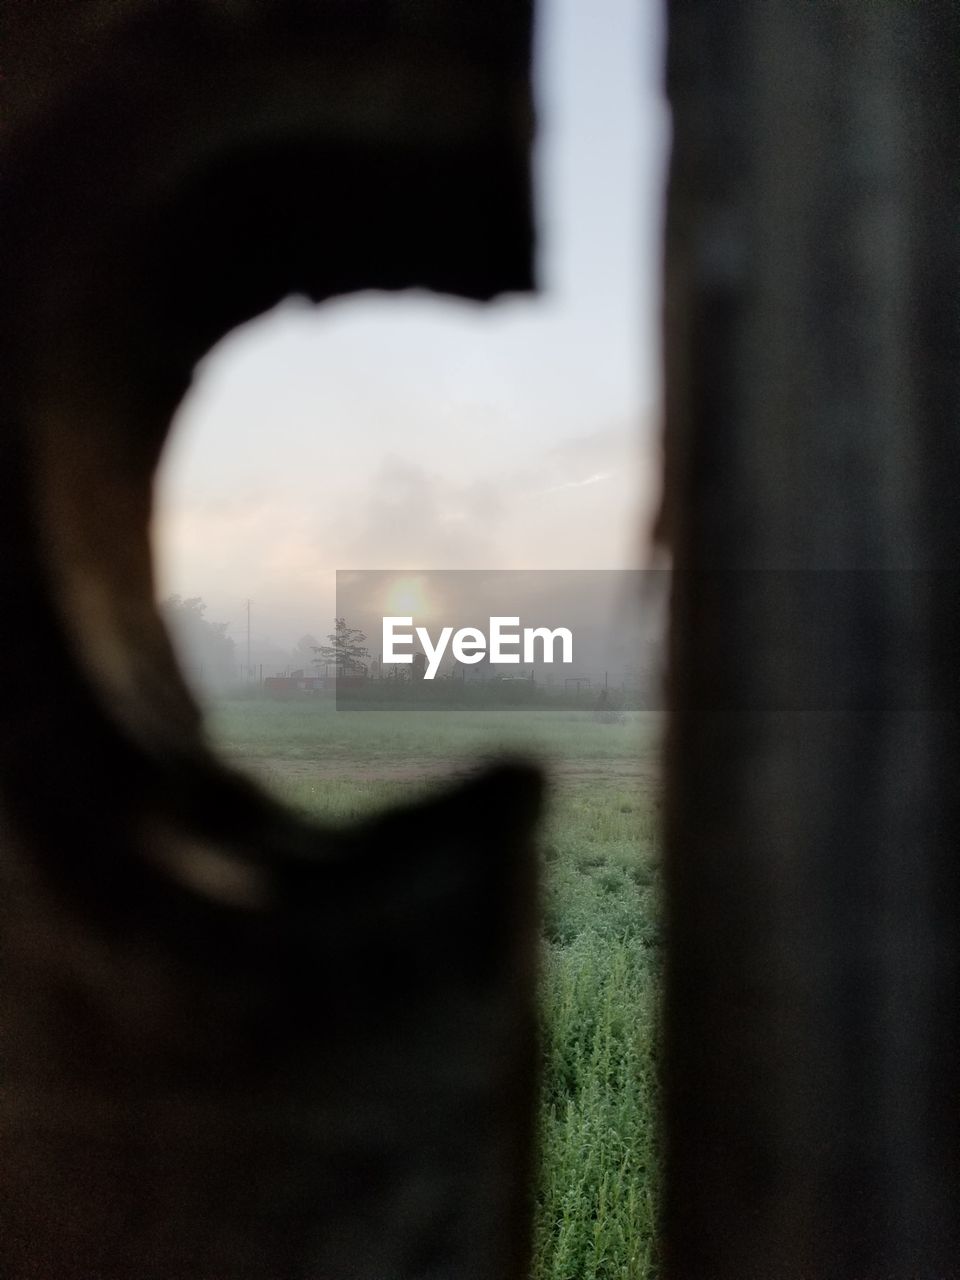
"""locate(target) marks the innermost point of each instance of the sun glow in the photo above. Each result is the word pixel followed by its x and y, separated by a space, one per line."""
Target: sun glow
pixel 409 596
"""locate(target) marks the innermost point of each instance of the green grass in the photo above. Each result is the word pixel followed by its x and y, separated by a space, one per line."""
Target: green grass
pixel 597 1193
pixel 312 729
pixel 597 1198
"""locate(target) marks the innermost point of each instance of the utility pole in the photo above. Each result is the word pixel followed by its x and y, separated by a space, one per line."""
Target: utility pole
pixel 248 639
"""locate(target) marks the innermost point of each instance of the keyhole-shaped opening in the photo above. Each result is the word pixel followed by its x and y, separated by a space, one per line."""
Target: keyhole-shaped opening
pixel 416 433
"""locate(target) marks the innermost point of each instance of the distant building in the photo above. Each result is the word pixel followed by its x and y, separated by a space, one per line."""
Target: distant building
pixel 484 670
pixel 297 684
pixel 293 684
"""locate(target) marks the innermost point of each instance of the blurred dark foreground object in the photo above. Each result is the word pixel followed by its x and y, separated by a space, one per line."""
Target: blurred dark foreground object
pixel 812 1126
pixel 234 1044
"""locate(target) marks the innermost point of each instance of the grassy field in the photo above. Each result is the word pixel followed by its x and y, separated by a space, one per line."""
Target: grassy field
pixel 597 1190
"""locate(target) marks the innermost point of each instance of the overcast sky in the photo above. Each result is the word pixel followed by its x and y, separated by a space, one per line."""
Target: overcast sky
pixel 411 431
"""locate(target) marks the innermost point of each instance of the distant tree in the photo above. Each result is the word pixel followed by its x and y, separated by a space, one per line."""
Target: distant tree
pixel 305 648
pixel 303 652
pixel 345 650
pixel 206 652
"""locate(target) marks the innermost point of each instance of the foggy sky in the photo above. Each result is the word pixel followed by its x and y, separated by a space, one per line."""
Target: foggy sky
pixel 414 431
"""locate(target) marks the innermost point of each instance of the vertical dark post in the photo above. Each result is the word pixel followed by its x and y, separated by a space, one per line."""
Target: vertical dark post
pixel 813 367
